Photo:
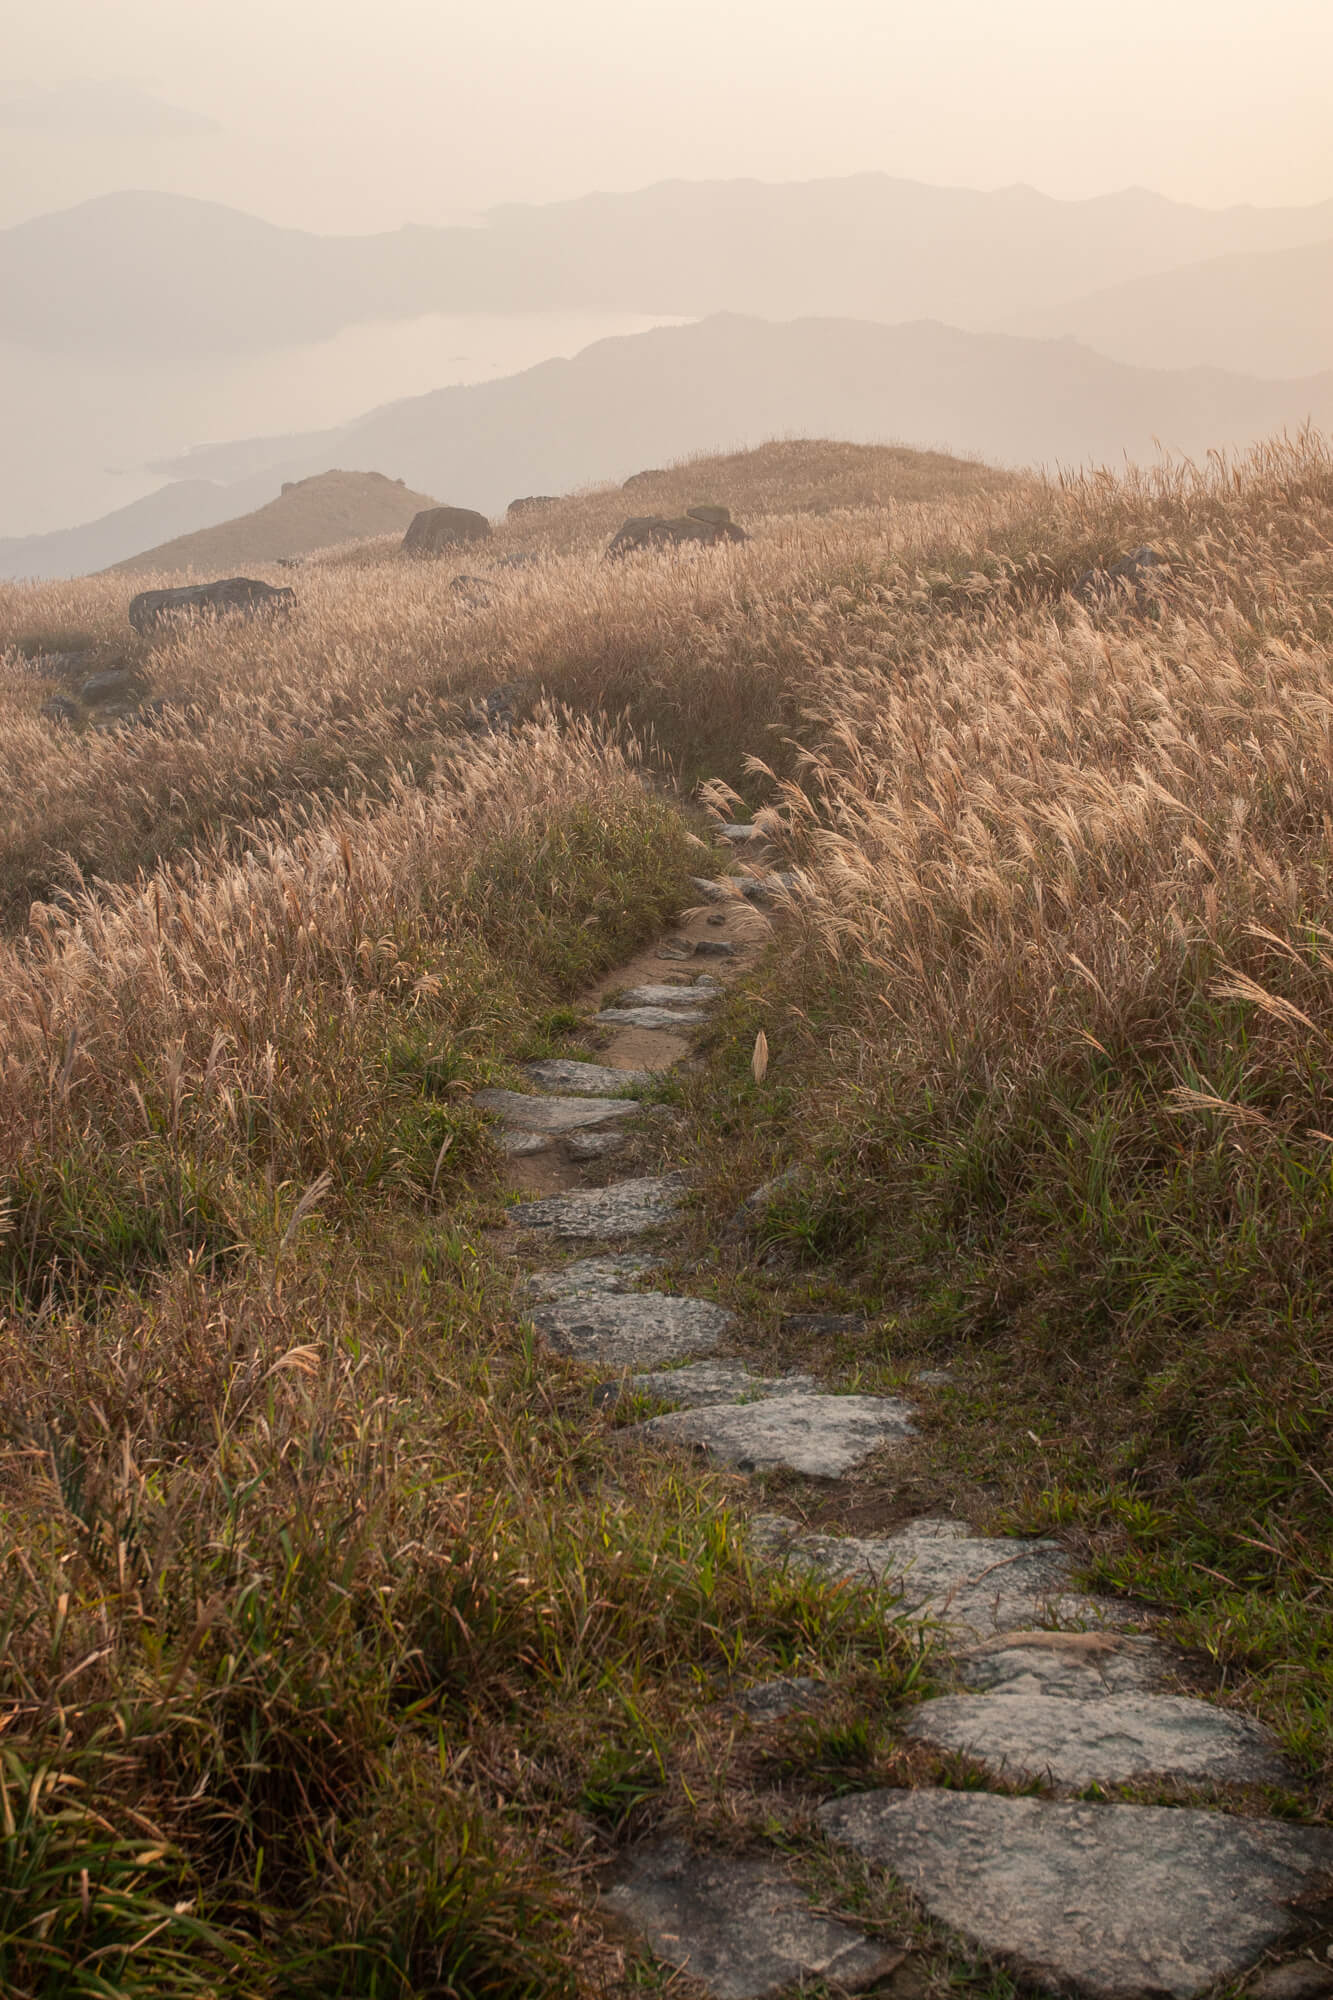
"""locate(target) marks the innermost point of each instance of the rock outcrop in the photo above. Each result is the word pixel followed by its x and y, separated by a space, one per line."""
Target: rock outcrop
pixel 437 529
pixel 229 597
pixel 1127 581
pixel 708 525
pixel 531 503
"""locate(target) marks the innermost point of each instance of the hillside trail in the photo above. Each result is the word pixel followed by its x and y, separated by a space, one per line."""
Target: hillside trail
pixel 1058 1698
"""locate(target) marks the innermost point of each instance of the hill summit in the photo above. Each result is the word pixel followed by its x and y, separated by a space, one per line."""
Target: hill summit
pixel 308 514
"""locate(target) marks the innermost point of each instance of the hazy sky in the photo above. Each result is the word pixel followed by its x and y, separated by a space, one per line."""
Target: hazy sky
pixel 361 114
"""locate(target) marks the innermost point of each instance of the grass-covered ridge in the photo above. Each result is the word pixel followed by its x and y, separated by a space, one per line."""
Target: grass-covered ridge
pixel 342 1640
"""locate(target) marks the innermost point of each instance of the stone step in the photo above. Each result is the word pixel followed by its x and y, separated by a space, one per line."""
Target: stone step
pixel 739 1926
pixel 589 1275
pixel 650 1017
pixel 1117 1902
pixel 716 1382
pixel 594 1079
pixel 633 1330
pixel 1085 1665
pixel 972 1586
pixel 594 1145
pixel 1111 1740
pixel 594 1215
pixel 805 1431
pixel 525 1113
pixel 704 993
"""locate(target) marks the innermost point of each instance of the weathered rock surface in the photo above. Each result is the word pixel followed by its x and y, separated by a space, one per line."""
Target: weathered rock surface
pixel 588 1275
pixel 716 1382
pixel 553 1114
pixel 702 993
pixel 741 1927
pixel 531 503
pixel 1299 1979
pixel 230 596
pixel 714 947
pixel 593 1079
pixel 629 1209
pixel 436 529
pixel 633 1330
pixel 739 832
pixel 822 1436
pixel 1120 1902
pixel 769 1701
pixel 651 1017
pixel 1109 1740
pixel 520 1145
pixel 594 1145
pixel 705 525
pixel 830 1324
pixel 1083 1665
pixel 970 1584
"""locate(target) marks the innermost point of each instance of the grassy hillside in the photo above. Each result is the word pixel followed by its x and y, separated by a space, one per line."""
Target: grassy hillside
pixel 343 1645
pixel 308 514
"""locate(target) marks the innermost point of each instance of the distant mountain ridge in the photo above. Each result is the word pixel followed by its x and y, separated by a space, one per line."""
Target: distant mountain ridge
pixel 1258 313
pixel 725 383
pixel 158 273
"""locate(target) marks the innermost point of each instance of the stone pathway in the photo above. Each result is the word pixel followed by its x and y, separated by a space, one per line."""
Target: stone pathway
pixel 1116 1900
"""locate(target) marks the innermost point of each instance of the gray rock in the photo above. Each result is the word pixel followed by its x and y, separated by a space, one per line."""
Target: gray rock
pixel 714 947
pixel 553 1114
pixel 1107 1741
pixel 707 525
pixel 519 1145
pixel 702 993
pixel 738 832
pixel 1299 1979
pixel 675 948
pixel 437 529
pixel 1127 580
pixel 716 891
pixel 628 1209
pixel 593 1079
pixel 822 1436
pixel 934 1378
pixel 650 1017
pixel 716 1382
pixel 589 1275
pixel 1084 1665
pixel 229 597
pixel 60 708
pixel 114 685
pixel 740 1927
pixel 531 503
pixel 594 1145
pixel 1118 1902
pixel 769 1701
pixel 971 1585
pixel 634 1329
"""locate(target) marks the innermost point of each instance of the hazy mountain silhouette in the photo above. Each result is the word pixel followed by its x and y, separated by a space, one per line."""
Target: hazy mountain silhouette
pixel 158 273
pixel 730 381
pixel 1262 313
pixel 727 382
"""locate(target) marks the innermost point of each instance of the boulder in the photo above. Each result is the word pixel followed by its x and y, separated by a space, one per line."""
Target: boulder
pixel 436 529
pixel 642 478
pixel 230 596
pixel 532 503
pixel 1126 580
pixel 708 525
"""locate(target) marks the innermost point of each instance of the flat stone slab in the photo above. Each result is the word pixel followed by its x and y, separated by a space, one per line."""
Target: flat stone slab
pixel 741 1927
pixel 593 1079
pixel 969 1584
pixel 650 1017
pixel 589 1275
pixel 1083 1665
pixel 1119 1902
pixel 703 995
pixel 716 1382
pixel 1110 1740
pixel 630 1208
pixel 635 1330
pixel 820 1435
pixel 522 1113
pixel 520 1144
pixel 594 1145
